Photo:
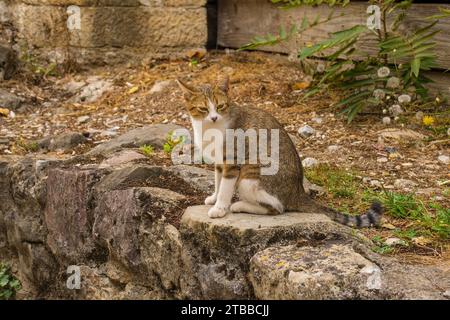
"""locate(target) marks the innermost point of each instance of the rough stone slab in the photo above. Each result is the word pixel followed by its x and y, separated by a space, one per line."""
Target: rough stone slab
pixel 199 178
pixel 222 248
pixel 118 3
pixel 41 26
pixel 154 135
pixel 122 158
pixel 313 273
pixel 37 264
pixel 132 224
pixel 128 177
pixel 68 213
pixel 46 26
pixel 85 3
pixel 337 271
pixel 23 199
pixel 63 141
pixel 140 26
pixel 7 99
pixel 119 214
pixel 247 226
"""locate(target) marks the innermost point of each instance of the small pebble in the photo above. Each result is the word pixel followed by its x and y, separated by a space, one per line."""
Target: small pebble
pixel 444 159
pixel 333 148
pixel 386 120
pixel 306 131
pixel 309 162
pixel 394 241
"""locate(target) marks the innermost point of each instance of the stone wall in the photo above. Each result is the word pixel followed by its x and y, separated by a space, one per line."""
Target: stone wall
pixel 132 232
pixel 108 30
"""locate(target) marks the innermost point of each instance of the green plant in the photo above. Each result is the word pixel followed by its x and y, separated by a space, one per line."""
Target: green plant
pixel 36 67
pixel 284 34
pixel 392 77
pixel 172 142
pixel 9 284
pixel 29 146
pixel 381 247
pixel 428 218
pixel 147 150
pixel 338 182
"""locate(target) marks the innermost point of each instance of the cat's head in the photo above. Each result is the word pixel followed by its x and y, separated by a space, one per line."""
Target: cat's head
pixel 207 102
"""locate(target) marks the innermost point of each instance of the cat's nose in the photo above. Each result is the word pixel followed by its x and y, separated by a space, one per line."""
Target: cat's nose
pixel 214 118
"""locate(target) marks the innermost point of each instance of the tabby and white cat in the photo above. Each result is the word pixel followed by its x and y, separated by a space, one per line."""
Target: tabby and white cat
pixel 210 108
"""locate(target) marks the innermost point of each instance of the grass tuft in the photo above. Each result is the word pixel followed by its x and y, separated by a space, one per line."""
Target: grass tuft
pixel 147 150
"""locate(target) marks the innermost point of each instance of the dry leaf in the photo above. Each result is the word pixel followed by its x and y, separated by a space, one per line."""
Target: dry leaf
pixel 301 85
pixel 4 112
pixel 389 226
pixel 133 90
pixel 422 241
pixel 196 53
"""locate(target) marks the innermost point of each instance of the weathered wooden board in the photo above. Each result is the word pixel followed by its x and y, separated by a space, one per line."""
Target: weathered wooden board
pixel 240 21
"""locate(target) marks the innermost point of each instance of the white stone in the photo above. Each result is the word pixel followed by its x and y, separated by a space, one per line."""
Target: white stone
pixel 374 278
pixel 375 183
pixel 333 148
pixel 394 241
pixel 82 119
pixel 386 120
pixel 160 86
pixel 444 159
pixel 74 86
pixel 395 110
pixel 93 91
pixel 317 120
pixel 404 183
pixel 306 131
pixel 382 160
pixel 309 162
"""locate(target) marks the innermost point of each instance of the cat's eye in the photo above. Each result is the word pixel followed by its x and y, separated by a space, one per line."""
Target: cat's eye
pixel 203 110
pixel 221 106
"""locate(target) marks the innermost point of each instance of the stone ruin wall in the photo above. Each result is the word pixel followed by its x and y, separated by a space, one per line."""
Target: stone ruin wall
pixel 104 31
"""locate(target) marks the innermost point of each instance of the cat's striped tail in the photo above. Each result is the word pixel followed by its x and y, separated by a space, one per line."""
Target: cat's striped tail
pixel 370 218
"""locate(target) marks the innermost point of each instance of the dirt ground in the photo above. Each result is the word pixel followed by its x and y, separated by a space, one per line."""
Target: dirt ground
pixel 257 79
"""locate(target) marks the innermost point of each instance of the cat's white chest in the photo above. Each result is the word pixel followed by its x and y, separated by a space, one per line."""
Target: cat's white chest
pixel 205 130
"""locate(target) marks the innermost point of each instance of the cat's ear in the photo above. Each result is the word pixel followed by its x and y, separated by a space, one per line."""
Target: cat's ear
pixel 188 91
pixel 224 84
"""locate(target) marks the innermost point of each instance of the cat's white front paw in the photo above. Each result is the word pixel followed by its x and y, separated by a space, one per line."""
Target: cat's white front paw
pixel 217 212
pixel 211 200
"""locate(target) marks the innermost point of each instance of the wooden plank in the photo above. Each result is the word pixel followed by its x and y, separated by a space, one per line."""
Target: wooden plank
pixel 441 82
pixel 240 21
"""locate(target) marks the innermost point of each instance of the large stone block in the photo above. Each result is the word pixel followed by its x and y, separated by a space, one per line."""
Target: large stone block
pixel 140 27
pixel 41 26
pixel 222 248
pixel 154 135
pixel 86 3
pixel 313 273
pixel 337 271
pixel 69 213
pixel 45 26
pixel 119 3
pixel 133 225
pixel 119 215
pixel 24 199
